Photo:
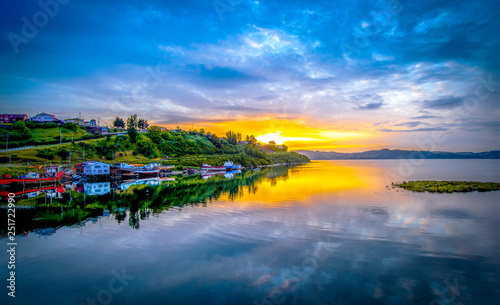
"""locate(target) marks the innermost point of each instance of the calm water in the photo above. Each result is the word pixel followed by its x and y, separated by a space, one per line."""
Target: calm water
pixel 329 232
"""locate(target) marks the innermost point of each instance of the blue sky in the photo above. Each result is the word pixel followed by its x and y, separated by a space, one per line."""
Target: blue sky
pixel 342 75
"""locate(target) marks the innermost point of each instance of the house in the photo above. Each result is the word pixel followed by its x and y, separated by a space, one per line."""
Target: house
pixel 53 170
pixel 44 118
pixel 99 188
pixel 12 118
pixel 94 168
pixel 75 120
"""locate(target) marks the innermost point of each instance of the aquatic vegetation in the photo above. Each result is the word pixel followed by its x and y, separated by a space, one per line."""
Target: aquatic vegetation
pixel 446 186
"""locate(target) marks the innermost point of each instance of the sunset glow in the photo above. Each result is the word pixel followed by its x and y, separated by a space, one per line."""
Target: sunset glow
pixel 308 74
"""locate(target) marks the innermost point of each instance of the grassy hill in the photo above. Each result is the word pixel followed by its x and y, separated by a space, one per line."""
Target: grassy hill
pixel 28 133
pixel 189 148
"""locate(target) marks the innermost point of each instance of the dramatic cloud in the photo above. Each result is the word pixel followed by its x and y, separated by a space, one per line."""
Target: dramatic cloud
pixel 333 68
pixel 443 102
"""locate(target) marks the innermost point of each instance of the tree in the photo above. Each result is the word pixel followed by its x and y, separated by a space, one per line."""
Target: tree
pixel 272 143
pixel 132 122
pixel 155 133
pixel 20 131
pixel 252 140
pixel 132 133
pixel 118 122
pixel 142 124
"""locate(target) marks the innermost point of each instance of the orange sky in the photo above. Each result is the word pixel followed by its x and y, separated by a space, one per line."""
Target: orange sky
pixel 300 133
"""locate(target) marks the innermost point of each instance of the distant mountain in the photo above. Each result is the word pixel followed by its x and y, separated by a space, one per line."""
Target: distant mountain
pixel 398 154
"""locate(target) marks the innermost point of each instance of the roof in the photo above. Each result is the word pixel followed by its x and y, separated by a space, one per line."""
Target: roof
pixel 45 113
pixel 93 163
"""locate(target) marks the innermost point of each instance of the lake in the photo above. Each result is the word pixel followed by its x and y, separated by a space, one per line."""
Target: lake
pixel 327 232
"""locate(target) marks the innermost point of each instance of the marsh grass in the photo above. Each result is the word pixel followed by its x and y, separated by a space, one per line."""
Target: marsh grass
pixel 433 186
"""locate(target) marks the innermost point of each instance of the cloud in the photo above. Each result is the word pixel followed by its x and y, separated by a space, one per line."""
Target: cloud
pixel 445 102
pixel 370 106
pixel 414 130
pixel 409 124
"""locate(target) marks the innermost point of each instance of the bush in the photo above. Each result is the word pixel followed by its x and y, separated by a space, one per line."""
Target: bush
pixel 46 154
pixel 71 126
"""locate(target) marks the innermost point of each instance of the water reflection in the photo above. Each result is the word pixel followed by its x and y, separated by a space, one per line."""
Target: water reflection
pixel 320 233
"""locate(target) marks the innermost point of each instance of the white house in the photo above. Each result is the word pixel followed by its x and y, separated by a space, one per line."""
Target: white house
pixel 44 118
pixel 94 168
pixel 99 188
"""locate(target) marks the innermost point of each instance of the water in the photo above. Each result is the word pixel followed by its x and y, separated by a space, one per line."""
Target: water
pixel 328 232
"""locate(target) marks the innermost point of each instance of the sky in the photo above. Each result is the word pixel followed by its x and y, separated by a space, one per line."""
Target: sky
pixel 338 75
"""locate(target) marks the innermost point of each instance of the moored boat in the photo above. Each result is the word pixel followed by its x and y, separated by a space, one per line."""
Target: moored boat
pixel 231 166
pixel 31 178
pixel 209 167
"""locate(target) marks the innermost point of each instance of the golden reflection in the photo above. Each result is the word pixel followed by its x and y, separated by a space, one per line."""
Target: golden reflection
pixel 308 180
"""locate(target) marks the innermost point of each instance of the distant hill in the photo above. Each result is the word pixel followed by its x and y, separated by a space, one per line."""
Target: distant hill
pixel 398 154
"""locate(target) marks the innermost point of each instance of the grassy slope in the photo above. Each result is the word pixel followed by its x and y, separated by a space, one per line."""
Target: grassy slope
pixel 41 134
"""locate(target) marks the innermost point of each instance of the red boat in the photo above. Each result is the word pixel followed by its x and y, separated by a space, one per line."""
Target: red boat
pixel 59 189
pixel 208 167
pixel 6 179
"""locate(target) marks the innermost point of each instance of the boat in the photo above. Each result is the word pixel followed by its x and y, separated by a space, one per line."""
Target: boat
pixel 211 168
pixel 147 172
pixel 231 166
pixel 36 192
pixel 124 167
pixel 164 167
pixel 31 178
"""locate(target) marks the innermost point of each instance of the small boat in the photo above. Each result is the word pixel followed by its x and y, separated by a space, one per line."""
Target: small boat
pixel 208 167
pixel 231 166
pixel 31 178
pixel 124 167
pixel 164 167
pixel 36 191
pixel 211 174
pixel 147 172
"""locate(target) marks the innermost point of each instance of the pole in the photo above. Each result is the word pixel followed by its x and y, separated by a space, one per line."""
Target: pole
pixel 60 136
pixel 10 157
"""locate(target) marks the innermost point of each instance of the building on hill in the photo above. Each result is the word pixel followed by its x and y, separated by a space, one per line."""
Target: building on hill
pixel 44 118
pixel 75 120
pixel 12 118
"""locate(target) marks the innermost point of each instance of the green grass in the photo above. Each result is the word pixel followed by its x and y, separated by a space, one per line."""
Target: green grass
pixel 41 135
pixel 432 186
